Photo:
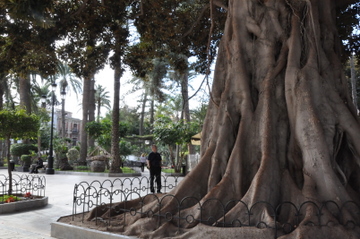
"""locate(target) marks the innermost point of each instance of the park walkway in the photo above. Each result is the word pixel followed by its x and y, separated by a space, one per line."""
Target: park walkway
pixel 36 224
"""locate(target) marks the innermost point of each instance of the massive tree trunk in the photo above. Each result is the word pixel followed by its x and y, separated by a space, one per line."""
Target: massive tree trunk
pixel 280 127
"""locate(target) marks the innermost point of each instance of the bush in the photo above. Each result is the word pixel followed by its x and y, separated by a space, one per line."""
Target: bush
pixel 21 149
pixel 26 159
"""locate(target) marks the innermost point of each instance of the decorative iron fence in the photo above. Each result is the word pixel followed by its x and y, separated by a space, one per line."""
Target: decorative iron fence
pixel 88 195
pixel 108 194
pixel 21 184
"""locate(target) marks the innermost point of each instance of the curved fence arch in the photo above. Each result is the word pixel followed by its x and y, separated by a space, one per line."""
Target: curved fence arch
pixel 108 194
pixel 22 184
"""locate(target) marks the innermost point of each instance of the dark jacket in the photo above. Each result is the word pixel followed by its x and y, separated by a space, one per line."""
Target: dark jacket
pixel 155 160
pixel 40 162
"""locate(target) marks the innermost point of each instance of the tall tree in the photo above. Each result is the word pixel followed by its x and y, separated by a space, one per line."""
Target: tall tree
pixel 117 25
pixel 16 124
pixel 27 43
pixel 85 51
pixel 280 127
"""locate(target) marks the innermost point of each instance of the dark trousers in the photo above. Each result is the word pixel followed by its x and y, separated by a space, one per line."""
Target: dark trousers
pixel 34 168
pixel 155 173
pixel 142 167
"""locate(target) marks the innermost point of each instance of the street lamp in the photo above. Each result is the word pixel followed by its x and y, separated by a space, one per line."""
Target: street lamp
pixel 63 95
pixel 50 165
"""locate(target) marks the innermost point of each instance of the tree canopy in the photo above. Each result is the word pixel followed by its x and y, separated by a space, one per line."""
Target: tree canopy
pixel 17 124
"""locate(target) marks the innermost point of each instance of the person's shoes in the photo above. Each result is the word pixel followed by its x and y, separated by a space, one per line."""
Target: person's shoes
pixel 158 191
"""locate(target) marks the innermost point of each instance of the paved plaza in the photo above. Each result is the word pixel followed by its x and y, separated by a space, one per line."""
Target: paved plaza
pixel 35 224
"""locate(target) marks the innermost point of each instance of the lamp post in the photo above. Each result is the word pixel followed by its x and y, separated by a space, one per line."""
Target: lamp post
pixel 50 165
pixel 63 95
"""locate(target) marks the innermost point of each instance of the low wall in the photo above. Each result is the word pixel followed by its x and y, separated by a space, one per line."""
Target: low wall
pixel 66 231
pixel 23 205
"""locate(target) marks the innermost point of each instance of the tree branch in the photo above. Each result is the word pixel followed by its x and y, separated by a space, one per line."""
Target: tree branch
pixel 197 20
pixel 217 3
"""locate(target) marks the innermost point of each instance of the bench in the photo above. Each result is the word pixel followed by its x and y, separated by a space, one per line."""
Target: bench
pixel 43 169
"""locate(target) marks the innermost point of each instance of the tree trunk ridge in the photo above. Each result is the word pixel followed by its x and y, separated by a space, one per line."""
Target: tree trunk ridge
pixel 280 127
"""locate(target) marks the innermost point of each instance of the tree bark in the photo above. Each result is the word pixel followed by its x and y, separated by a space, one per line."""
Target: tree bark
pixel 98 105
pixel 353 80
pixel 142 114
pixel 24 92
pixel 280 126
pixel 91 140
pixel 152 109
pixel 185 107
pixel 115 134
pixel 85 119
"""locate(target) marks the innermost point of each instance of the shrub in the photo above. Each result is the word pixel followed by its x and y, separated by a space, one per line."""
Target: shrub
pixel 21 149
pixel 73 155
pixel 26 159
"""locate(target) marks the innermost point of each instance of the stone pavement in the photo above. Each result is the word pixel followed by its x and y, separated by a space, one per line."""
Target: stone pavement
pixel 35 224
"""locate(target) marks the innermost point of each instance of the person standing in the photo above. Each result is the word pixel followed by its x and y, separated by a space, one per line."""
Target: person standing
pixel 154 164
pixel 143 161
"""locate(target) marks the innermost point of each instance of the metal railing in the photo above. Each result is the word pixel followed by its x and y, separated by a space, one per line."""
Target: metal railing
pixel 22 184
pixel 89 195
pixel 108 194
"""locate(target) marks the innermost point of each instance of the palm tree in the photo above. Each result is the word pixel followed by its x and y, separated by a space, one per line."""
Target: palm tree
pixel 101 99
pixel 172 108
pixel 68 78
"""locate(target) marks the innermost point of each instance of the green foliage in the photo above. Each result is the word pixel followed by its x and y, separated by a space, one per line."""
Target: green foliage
pixel 190 25
pixel 82 168
pixel 348 26
pixel 96 129
pixel 168 170
pixel 101 131
pixel 28 38
pixel 131 117
pixel 22 149
pixel 45 136
pixel 8 198
pixel 198 114
pixel 125 148
pixel 17 124
pixel 26 159
pixel 168 132
pixel 60 147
